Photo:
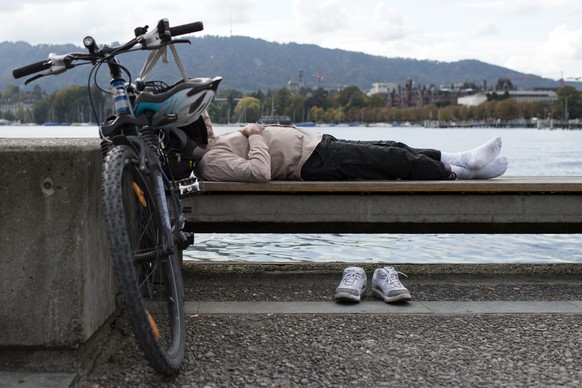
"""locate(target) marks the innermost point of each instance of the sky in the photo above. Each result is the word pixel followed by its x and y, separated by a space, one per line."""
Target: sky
pixel 540 37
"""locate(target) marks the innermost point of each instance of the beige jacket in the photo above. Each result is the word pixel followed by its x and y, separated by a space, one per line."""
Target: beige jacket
pixel 278 153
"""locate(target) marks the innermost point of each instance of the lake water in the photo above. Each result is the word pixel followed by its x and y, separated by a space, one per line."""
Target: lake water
pixel 530 152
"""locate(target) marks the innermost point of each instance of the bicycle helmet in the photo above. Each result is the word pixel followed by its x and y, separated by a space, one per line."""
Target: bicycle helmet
pixel 179 105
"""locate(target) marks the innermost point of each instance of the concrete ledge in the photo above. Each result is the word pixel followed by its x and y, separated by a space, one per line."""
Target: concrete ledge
pixel 56 280
pixel 379 307
pixel 501 205
pixel 34 380
pixel 504 184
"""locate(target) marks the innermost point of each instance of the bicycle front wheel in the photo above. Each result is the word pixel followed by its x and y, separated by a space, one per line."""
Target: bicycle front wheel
pixel 145 264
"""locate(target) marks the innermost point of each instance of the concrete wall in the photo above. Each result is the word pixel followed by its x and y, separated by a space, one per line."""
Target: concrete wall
pixel 56 279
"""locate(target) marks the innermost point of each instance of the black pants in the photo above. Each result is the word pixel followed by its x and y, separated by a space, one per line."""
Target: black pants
pixel 335 160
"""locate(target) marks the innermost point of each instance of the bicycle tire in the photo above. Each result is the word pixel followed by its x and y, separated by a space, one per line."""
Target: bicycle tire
pixel 151 287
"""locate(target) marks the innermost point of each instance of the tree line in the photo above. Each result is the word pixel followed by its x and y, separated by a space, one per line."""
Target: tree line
pixel 353 105
pixel 73 104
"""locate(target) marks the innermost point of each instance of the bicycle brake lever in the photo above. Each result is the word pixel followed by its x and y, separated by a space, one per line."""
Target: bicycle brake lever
pixel 31 79
pixel 158 46
pixel 181 41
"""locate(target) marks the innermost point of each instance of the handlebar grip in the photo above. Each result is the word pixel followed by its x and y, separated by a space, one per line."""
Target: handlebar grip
pixel 31 69
pixel 186 28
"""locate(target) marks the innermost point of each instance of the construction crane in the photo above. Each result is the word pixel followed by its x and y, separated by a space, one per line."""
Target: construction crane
pixel 319 77
pixel 525 78
pixel 562 79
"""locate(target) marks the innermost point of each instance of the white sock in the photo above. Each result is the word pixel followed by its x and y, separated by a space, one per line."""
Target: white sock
pixel 494 169
pixel 476 158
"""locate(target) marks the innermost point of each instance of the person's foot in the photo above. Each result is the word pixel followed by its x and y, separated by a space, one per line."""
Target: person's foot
pixel 386 285
pixel 494 169
pixel 352 286
pixel 482 155
pixel 476 158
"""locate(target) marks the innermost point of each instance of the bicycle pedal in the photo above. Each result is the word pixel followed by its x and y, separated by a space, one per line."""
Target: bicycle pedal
pixel 186 239
pixel 188 186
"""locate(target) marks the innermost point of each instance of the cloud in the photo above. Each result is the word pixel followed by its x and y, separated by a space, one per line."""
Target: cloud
pixel 387 24
pixel 503 8
pixel 9 5
pixel 485 28
pixel 560 51
pixel 520 8
pixel 34 21
pixel 481 5
pixel 223 12
pixel 563 43
pixel 322 16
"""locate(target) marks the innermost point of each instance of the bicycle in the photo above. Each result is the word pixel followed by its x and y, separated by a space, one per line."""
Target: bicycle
pixel 141 195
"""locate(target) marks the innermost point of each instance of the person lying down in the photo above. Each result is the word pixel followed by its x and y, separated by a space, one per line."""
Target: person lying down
pixel 259 153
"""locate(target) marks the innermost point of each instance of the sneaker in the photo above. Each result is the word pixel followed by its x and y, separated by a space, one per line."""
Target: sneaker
pixel 387 286
pixel 352 286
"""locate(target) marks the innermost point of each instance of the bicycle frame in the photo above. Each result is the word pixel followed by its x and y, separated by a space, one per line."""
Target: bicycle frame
pixel 126 129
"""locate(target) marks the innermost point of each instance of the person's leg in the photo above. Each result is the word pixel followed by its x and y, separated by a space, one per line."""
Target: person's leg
pixel 346 160
pixel 431 153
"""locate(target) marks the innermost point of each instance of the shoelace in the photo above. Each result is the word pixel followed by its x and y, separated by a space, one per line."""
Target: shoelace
pixel 352 278
pixel 394 280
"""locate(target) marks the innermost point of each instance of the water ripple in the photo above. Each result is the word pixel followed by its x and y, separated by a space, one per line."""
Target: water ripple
pixel 392 248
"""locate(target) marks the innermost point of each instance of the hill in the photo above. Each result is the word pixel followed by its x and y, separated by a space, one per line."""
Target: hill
pixel 251 64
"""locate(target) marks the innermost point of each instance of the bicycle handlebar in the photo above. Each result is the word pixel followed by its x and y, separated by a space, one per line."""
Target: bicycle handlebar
pixel 31 69
pixel 186 28
pixel 57 60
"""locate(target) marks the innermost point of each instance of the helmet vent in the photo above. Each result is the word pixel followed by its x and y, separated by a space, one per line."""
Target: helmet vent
pixel 197 104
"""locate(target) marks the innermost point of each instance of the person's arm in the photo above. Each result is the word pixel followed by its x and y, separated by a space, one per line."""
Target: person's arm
pixel 258 166
pixel 208 124
pixel 221 164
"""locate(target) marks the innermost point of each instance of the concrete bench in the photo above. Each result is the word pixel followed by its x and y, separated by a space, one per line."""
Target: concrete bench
pixel 501 205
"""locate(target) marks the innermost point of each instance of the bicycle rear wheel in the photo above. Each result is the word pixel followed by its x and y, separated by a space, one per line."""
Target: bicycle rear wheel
pixel 148 276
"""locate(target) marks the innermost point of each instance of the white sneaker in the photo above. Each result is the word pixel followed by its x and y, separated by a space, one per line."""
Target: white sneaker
pixel 387 286
pixel 352 286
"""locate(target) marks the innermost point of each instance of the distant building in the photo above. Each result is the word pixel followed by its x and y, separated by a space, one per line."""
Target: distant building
pixel 410 95
pixel 534 95
pixel 15 107
pixel 547 96
pixel 383 88
pixel 472 100
pixel 295 86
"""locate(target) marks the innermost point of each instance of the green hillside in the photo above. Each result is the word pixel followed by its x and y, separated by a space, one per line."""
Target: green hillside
pixel 249 64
